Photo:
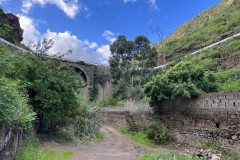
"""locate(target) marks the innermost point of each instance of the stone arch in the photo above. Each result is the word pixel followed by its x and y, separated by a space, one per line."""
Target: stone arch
pixel 86 81
pixel 83 75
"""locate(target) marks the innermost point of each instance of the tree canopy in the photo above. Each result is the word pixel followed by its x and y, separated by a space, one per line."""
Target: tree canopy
pixel 130 59
pixel 183 80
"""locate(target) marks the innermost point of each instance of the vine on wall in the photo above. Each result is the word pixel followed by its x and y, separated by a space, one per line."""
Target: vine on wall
pixel 101 78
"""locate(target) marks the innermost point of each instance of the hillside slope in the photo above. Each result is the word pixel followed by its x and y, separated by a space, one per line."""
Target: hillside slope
pixel 204 17
pixel 210 26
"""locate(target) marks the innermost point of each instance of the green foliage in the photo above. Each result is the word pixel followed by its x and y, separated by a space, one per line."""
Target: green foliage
pixel 137 93
pixel 98 79
pixel 183 80
pixel 32 151
pixel 121 90
pixel 94 88
pixel 209 64
pixel 109 101
pixel 121 51
pixel 139 137
pixel 158 133
pixel 99 137
pixel 210 26
pixel 210 60
pixel 6 32
pixel 130 59
pixel 53 90
pixel 14 109
pixel 53 87
pixel 86 126
pixel 10 29
pixel 172 156
pixel 228 80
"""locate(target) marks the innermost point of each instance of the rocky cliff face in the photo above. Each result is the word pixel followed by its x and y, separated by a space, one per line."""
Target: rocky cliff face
pixel 13 21
pixel 10 29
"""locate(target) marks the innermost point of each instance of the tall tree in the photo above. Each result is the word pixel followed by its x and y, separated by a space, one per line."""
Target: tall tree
pixel 121 55
pixel 145 54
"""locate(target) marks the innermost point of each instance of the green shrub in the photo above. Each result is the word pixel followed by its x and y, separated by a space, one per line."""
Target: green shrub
pixel 86 127
pixel 53 89
pixel 230 85
pixel 14 108
pixel 108 101
pixel 183 80
pixel 137 93
pixel 121 90
pixel 209 64
pixel 228 80
pixel 139 137
pixel 158 133
pixel 6 32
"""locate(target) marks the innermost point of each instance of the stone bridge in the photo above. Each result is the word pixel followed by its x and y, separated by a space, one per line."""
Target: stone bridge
pixel 87 71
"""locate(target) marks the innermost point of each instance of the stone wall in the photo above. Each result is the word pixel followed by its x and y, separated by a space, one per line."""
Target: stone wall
pixel 214 115
pixel 87 71
pixel 11 141
pixel 115 118
pixel 218 101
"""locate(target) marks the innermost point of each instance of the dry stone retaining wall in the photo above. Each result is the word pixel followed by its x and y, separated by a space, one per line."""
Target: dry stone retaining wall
pixel 218 101
pixel 11 141
pixel 213 115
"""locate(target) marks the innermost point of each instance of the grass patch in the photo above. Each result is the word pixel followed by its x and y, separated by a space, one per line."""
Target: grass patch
pixel 227 155
pixel 140 137
pixel 33 151
pixel 99 137
pixel 112 134
pixel 159 156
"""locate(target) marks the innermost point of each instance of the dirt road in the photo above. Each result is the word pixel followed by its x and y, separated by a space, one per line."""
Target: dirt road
pixel 115 146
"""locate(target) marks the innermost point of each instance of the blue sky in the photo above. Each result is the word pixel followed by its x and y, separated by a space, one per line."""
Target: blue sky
pixel 88 27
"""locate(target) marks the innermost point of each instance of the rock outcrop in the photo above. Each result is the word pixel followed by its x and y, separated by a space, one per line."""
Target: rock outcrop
pixel 10 29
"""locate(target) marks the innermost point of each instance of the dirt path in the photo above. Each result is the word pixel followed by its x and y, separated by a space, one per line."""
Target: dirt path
pixel 115 146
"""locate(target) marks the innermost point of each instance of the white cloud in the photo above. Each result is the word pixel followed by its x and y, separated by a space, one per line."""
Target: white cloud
pixel 63 42
pixel 3 1
pixel 153 4
pixel 125 1
pixel 70 7
pixel 30 32
pixel 105 51
pixel 80 49
pixel 109 35
pixel 91 45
